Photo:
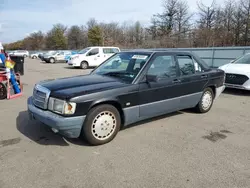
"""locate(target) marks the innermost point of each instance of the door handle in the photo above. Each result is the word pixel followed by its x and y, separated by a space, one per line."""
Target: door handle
pixel 204 76
pixel 176 81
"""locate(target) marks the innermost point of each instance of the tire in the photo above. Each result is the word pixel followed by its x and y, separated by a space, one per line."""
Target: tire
pixel 98 131
pixel 206 101
pixel 84 65
pixel 52 60
pixel 3 91
pixel 25 56
pixel 34 57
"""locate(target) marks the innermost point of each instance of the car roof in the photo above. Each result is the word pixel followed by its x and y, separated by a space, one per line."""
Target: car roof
pixel 103 47
pixel 159 51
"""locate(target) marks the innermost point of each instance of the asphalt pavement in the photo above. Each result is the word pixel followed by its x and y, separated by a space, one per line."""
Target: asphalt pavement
pixel 179 150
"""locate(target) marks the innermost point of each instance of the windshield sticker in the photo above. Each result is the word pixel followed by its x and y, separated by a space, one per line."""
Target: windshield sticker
pixel 143 57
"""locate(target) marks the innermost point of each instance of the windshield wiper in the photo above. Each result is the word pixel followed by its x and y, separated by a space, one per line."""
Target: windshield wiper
pixel 119 74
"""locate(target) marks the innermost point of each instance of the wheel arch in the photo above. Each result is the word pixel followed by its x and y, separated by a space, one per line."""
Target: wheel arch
pixel 113 102
pixel 84 61
pixel 213 87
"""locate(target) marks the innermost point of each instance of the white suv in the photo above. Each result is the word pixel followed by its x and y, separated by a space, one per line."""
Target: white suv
pixel 92 56
pixel 23 53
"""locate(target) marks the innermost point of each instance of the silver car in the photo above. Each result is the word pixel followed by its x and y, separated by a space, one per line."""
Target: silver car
pixel 57 56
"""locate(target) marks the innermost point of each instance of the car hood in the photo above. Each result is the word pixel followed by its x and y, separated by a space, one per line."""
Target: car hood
pixel 236 68
pixel 75 55
pixel 66 88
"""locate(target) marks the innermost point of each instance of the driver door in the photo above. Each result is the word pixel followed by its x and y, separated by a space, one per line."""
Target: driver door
pixel 60 56
pixel 93 57
pixel 162 95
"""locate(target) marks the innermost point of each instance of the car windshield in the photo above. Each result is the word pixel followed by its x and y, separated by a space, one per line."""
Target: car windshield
pixel 243 60
pixel 84 51
pixel 124 66
pixel 54 53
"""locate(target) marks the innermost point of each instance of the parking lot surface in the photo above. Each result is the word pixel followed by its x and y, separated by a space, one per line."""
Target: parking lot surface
pixel 182 149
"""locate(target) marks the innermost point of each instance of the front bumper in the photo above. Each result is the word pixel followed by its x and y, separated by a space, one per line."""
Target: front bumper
pixel 74 62
pixel 66 126
pixel 243 87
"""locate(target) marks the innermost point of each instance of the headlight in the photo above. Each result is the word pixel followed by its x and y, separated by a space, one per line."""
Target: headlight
pixel 76 57
pixel 61 106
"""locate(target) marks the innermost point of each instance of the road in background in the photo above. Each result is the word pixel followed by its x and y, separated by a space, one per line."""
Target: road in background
pixel 182 149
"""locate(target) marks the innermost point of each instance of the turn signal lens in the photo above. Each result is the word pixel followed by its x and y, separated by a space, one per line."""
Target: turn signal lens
pixel 69 108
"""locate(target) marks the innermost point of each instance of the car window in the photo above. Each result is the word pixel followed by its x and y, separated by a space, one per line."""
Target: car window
pixel 245 59
pixel 186 65
pixel 197 66
pixel 124 66
pixel 93 52
pixel 107 50
pixel 163 66
pixel 114 50
pixel 110 50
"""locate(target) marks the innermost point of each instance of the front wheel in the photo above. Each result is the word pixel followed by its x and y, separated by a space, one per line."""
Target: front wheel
pixel 3 91
pixel 206 101
pixel 84 65
pixel 52 60
pixel 101 125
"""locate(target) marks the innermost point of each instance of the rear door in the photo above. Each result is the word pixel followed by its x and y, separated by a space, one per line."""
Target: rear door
pixel 60 56
pixel 193 79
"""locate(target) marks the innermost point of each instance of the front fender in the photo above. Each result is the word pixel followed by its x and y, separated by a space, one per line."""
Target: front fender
pixel 105 101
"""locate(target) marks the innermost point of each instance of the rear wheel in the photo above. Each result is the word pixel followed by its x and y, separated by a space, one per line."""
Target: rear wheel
pixel 3 91
pixel 101 125
pixel 84 65
pixel 206 101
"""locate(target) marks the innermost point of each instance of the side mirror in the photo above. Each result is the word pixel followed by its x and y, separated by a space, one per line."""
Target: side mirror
pixel 151 78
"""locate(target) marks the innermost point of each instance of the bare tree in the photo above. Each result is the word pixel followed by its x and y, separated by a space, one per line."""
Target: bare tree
pixel 228 14
pixel 246 14
pixel 206 22
pixel 92 23
pixel 182 20
pixel 238 22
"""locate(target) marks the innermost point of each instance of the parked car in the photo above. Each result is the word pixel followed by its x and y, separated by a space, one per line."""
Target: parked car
pixel 92 56
pixel 41 56
pixel 57 56
pixel 34 55
pixel 67 57
pixel 126 88
pixel 23 53
pixel 238 73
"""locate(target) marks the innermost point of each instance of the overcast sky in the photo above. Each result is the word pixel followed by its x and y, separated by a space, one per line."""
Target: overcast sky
pixel 18 18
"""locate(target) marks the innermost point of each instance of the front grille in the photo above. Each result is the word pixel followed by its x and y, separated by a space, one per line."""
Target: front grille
pixel 237 79
pixel 40 97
